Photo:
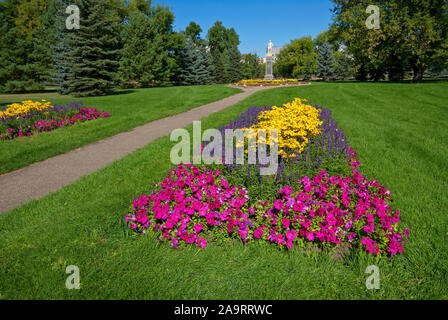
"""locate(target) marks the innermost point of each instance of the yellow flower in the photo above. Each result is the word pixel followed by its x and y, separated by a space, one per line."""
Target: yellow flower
pixel 19 109
pixel 296 122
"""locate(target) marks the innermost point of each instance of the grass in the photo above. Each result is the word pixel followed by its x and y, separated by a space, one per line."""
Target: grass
pixel 400 134
pixel 129 109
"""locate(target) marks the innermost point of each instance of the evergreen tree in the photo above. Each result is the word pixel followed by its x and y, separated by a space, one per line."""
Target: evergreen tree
pixel 24 57
pixel 193 31
pixel 62 48
pixel 325 61
pixel 151 48
pixel 209 64
pixel 194 65
pixel 226 58
pixel 41 59
pixel 220 65
pixel 343 64
pixel 234 66
pixel 204 66
pixel 93 56
pixel 252 69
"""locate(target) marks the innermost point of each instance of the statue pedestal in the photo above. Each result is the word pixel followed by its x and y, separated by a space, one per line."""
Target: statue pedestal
pixel 269 68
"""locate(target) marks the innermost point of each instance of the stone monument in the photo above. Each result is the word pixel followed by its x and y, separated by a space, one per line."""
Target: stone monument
pixel 269 62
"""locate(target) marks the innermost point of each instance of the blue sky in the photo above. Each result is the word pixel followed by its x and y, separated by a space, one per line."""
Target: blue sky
pixel 256 21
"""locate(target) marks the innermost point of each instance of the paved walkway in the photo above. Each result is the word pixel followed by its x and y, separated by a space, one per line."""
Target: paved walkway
pixel 42 178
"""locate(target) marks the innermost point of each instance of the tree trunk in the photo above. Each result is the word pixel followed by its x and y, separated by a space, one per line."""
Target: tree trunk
pixel 418 73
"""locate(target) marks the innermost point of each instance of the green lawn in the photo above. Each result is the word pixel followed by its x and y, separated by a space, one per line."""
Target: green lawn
pixel 129 109
pixel 401 136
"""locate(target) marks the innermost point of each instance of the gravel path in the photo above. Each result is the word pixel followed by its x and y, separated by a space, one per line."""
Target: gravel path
pixel 42 178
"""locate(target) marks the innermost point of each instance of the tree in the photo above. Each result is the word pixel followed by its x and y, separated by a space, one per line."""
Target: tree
pixel 193 31
pixel 297 59
pixel 325 61
pixel 93 50
pixel 251 67
pixel 194 65
pixel 62 48
pixel 23 64
pixel 343 64
pixel 221 38
pixel 411 35
pixel 149 56
pixel 234 67
pixel 223 44
pixel 220 66
pixel 29 14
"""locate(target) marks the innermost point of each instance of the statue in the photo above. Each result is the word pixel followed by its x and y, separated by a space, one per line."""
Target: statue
pixel 269 62
pixel 270 46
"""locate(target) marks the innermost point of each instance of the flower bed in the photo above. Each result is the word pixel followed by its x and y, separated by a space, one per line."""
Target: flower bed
pixel 270 83
pixel 316 200
pixel 29 118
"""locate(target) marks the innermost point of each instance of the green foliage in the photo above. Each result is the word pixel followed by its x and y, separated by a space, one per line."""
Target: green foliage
pixel 325 61
pixel 25 57
pixel 29 13
pixel 297 59
pixel 93 54
pixel 62 47
pixel 234 68
pixel 412 37
pixel 195 64
pixel 193 31
pixel 343 64
pixel 226 57
pixel 150 47
pixel 221 38
pixel 252 69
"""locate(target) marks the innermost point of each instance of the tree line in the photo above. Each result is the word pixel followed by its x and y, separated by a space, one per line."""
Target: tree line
pixel 120 43
pixel 411 40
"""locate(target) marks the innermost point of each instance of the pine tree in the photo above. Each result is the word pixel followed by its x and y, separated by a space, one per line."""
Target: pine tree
pixel 206 62
pixel 219 66
pixel 187 63
pixel 149 55
pixel 24 63
pixel 325 61
pixel 134 63
pixel 194 65
pixel 92 56
pixel 61 58
pixel 234 70
pixel 343 64
pixel 41 59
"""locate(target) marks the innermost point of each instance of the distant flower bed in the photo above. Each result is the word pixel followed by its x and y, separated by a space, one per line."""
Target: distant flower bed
pixel 318 199
pixel 28 118
pixel 274 82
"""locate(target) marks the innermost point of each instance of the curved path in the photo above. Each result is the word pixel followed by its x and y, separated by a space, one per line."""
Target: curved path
pixel 42 178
